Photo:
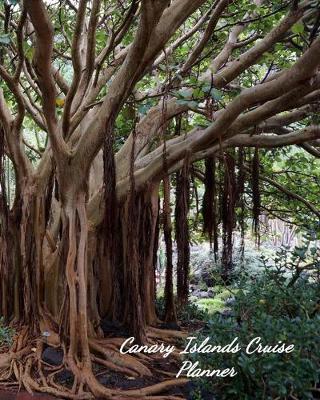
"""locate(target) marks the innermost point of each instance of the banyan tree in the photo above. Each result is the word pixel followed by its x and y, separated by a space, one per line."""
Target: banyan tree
pixel 106 106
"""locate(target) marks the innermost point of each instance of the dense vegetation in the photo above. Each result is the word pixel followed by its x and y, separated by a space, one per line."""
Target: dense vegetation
pixel 276 309
pixel 132 131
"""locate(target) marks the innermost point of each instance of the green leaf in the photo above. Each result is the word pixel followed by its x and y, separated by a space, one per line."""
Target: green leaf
pixel 100 36
pixel 143 109
pixel 5 39
pixel 30 53
pixel 278 47
pixel 216 94
pixel 298 28
pixel 192 104
pixel 313 250
pixel 182 102
pixel 206 89
pixel 198 93
pixel 185 93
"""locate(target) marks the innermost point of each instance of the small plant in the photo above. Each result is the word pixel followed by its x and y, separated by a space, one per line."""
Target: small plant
pixel 188 312
pixel 191 311
pixel 203 286
pixel 6 334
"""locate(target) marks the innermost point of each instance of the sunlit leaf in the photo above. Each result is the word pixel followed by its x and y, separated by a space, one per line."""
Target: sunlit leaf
pixel 60 101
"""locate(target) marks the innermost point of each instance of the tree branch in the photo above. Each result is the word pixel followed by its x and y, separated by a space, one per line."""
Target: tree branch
pixel 13 86
pixel 218 10
pixel 254 53
pixel 289 193
pixel 42 62
pixel 122 83
pixel 77 66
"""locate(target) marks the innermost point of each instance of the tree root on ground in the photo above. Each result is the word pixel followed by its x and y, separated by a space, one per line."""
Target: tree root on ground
pixel 22 366
pixel 166 335
pixel 122 360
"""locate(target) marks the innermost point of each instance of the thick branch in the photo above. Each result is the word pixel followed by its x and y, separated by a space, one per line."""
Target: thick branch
pixel 13 139
pixel 248 58
pixel 13 86
pixel 198 140
pixel 42 61
pixel 77 66
pixel 122 83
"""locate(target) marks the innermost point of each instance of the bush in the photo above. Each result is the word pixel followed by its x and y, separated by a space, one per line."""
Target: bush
pixel 191 311
pixel 275 312
pixel 187 313
pixel 6 334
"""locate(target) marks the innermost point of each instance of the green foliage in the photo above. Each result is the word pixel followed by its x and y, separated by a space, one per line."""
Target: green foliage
pixel 298 28
pixel 6 334
pixel 4 39
pixel 192 312
pixel 203 286
pixel 187 313
pixel 289 167
pixel 211 305
pixel 302 260
pixel 275 312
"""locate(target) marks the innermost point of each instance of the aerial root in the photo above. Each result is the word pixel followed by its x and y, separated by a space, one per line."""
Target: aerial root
pixel 8 360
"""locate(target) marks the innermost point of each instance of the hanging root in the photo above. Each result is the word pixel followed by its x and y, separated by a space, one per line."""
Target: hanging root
pixel 182 232
pixel 228 215
pixel 170 308
pixel 209 204
pixel 240 197
pixel 256 194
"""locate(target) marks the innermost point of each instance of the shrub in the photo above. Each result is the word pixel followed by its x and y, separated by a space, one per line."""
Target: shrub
pixel 6 334
pixel 275 312
pixel 187 313
pixel 191 311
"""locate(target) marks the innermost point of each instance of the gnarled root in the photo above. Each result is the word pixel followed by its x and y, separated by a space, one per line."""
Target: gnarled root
pixel 122 360
pixel 23 366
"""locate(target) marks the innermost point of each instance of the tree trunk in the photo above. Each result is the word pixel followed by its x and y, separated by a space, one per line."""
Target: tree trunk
pixel 138 223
